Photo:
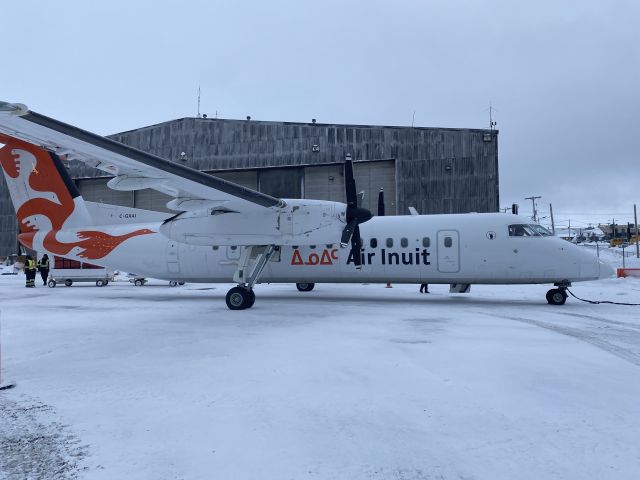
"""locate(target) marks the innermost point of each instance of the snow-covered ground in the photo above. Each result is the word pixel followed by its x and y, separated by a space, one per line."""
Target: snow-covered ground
pixel 344 382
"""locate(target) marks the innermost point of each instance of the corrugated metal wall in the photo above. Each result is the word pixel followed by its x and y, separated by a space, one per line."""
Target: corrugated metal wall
pixel 438 170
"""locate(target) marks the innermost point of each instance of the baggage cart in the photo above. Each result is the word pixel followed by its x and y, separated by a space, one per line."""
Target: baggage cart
pixel 69 272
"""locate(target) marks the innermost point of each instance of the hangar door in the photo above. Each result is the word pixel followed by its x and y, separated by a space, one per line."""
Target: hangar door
pixel 96 190
pixel 149 199
pixel 281 182
pixel 326 182
pixel 246 178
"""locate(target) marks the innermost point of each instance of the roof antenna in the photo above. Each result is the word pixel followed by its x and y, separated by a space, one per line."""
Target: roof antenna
pixel 492 124
pixel 198 101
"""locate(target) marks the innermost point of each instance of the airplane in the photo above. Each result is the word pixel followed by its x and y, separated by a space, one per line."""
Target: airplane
pixel 224 232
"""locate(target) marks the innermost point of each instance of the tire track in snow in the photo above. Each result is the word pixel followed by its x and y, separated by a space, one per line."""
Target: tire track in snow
pixel 601 320
pixel 588 337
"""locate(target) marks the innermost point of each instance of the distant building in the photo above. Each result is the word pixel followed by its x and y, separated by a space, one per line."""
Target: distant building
pixel 436 170
pixel 622 230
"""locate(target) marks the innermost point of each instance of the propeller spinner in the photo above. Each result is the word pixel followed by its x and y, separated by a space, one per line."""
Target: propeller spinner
pixel 355 215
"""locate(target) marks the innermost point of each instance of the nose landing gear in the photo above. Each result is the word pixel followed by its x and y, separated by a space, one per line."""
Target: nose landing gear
pixel 558 296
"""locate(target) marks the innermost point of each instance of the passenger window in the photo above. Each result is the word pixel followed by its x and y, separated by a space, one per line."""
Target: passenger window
pixel 426 242
pixel 233 247
pixel 312 247
pixel 389 242
pixel 448 242
pixel 404 243
pixel 373 242
pixel 215 247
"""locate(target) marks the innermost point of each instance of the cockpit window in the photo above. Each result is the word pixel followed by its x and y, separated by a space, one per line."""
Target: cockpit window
pixel 522 230
pixel 541 230
pixel 528 230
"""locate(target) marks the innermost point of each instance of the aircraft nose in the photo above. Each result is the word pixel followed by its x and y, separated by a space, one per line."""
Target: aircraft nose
pixel 606 270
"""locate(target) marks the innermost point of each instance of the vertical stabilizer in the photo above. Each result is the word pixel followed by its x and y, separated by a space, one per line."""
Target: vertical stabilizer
pixel 43 194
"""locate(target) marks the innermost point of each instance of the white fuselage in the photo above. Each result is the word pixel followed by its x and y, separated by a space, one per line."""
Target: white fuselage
pixel 462 248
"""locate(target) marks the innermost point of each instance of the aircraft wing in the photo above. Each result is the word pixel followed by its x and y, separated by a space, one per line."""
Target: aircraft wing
pixel 131 168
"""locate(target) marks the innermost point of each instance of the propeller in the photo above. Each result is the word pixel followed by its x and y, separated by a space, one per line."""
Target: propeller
pixel 355 215
pixel 381 203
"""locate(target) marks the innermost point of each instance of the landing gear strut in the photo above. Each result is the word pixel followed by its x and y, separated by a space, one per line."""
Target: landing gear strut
pixel 250 267
pixel 558 296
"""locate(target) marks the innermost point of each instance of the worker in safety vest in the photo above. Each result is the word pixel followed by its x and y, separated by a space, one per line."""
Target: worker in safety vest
pixel 43 268
pixel 30 271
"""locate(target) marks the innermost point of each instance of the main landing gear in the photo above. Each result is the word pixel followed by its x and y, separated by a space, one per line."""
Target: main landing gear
pixel 558 296
pixel 305 287
pixel 239 298
pixel 250 267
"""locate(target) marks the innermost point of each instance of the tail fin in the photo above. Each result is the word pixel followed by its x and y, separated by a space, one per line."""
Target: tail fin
pixel 47 202
pixel 43 194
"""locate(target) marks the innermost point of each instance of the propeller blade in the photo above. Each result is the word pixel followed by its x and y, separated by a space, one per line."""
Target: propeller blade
pixel 347 232
pixel 354 215
pixel 381 203
pixel 350 184
pixel 356 245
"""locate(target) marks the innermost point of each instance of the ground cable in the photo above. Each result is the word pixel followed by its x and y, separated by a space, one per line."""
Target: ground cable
pixel 596 302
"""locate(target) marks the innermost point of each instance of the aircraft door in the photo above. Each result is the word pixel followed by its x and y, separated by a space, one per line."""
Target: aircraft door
pixel 173 264
pixel 448 251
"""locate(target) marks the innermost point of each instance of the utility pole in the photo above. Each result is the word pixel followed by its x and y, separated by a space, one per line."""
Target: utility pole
pixel 553 225
pixel 613 227
pixel 533 202
pixel 635 219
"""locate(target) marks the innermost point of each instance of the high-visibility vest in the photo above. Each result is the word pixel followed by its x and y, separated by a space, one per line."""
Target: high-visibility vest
pixel 30 265
pixel 42 263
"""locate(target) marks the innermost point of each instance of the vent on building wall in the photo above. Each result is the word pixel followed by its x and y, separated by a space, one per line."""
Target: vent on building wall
pixel 448 165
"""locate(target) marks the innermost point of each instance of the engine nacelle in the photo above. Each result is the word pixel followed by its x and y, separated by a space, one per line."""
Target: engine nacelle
pixel 299 222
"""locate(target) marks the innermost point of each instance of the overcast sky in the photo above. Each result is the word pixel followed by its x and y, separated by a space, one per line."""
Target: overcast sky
pixel 563 76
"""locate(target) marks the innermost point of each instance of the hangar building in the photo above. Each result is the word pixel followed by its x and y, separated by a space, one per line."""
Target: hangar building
pixel 436 170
